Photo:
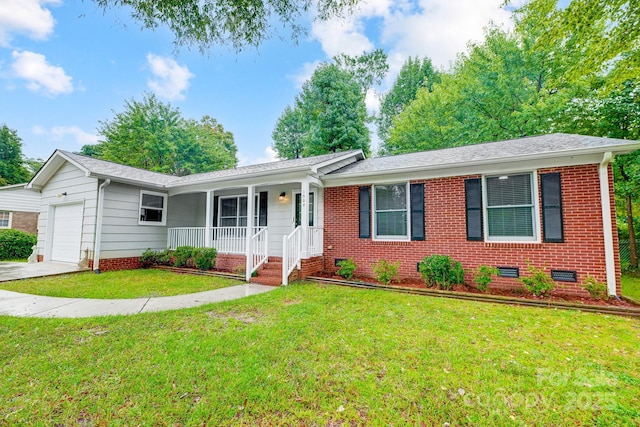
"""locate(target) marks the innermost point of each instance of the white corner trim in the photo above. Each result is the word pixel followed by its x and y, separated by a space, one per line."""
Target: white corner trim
pixel 607 224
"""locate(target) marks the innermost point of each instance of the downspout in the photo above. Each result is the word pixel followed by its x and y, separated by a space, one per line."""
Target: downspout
pixel 98 237
pixel 607 223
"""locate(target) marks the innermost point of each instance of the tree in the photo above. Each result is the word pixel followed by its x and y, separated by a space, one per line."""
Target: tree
pixel 12 169
pixel 414 74
pixel 206 23
pixel 367 69
pixel 152 135
pixel 329 116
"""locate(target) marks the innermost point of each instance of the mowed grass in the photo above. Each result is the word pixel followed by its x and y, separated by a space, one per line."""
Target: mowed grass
pixel 118 284
pixel 631 286
pixel 310 355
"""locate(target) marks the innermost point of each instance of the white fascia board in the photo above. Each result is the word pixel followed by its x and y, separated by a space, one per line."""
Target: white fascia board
pixel 8 187
pixel 447 171
pixel 358 155
pixel 50 167
pixel 134 182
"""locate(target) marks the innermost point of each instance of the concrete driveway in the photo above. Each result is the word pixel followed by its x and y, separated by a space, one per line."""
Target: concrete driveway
pixel 25 270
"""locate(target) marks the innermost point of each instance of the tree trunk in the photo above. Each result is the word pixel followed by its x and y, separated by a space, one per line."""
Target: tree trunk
pixel 633 255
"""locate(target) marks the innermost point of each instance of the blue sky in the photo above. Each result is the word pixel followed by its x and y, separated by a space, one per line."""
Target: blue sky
pixel 65 65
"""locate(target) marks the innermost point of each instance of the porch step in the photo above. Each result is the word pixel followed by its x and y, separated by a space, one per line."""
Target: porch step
pixel 267 280
pixel 270 273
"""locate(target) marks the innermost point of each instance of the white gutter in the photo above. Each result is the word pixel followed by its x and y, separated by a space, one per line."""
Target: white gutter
pixel 98 236
pixel 607 224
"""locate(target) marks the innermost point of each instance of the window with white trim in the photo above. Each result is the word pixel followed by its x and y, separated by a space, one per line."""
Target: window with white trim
pixel 153 208
pixel 390 207
pixel 233 211
pixel 510 208
pixel 5 219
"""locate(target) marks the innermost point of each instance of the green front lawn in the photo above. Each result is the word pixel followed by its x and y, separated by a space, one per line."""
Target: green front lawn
pixel 118 284
pixel 319 355
pixel 631 286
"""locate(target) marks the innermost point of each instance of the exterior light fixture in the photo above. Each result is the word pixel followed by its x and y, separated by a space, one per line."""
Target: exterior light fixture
pixel 282 196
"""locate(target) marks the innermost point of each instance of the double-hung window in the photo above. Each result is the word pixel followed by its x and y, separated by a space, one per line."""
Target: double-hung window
pixel 510 208
pixel 391 212
pixel 233 211
pixel 5 219
pixel 153 208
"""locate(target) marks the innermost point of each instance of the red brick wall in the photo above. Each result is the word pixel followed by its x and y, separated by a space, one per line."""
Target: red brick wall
pixel 582 250
pixel 231 262
pixel 25 221
pixel 112 264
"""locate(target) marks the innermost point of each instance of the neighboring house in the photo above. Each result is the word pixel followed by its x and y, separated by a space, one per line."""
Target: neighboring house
pixel 19 208
pixel 545 200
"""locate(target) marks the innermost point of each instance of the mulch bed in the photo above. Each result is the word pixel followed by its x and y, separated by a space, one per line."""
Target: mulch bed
pixel 520 293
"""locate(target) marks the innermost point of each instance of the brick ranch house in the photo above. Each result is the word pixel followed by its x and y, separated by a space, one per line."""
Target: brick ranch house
pixel 547 200
pixel 19 208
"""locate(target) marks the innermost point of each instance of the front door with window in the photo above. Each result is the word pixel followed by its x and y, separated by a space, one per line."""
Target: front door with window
pixel 298 209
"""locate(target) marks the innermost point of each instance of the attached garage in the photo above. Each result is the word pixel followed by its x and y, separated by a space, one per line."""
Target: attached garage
pixel 66 232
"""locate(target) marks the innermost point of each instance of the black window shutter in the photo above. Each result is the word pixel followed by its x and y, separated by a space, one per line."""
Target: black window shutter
pixel 364 208
pixel 215 210
pixel 551 191
pixel 417 211
pixel 262 215
pixel 473 205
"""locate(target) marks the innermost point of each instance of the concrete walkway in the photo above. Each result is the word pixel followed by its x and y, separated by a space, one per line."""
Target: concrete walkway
pixel 25 305
pixel 25 270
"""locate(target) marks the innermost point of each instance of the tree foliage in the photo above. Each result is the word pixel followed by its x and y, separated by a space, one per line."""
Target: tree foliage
pixel 415 73
pixel 152 135
pixel 239 24
pixel 328 116
pixel 12 167
pixel 367 69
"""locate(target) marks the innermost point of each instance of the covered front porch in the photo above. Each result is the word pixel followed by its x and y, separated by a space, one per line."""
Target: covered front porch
pixel 251 223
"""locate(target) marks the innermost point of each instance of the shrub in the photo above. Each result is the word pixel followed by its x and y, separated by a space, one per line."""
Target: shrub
pixel 442 271
pixel 181 256
pixel 596 289
pixel 150 257
pixel 539 283
pixel 16 244
pixel 386 271
pixel 205 258
pixel 482 276
pixel 347 267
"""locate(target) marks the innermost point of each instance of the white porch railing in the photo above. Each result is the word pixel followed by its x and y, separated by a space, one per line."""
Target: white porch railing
pixel 229 240
pixel 315 241
pixel 291 253
pixel 259 249
pixel 186 236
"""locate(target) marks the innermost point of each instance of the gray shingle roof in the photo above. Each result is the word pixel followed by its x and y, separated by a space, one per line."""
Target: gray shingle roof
pixel 509 150
pixel 115 170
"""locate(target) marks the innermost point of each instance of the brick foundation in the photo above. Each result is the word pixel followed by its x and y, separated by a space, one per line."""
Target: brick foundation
pixel 113 264
pixel 231 262
pixel 25 221
pixel 445 225
pixel 308 267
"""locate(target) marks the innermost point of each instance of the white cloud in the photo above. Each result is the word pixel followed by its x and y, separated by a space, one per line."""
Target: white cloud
pixel 341 36
pixel 27 17
pixel 39 74
pixel 269 156
pixel 170 79
pixel 73 134
pixel 372 101
pixel 304 73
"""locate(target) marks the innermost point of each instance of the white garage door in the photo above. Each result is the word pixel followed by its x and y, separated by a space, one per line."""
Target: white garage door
pixel 67 233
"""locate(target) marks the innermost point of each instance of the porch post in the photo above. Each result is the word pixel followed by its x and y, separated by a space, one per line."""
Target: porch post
pixel 304 218
pixel 250 208
pixel 208 222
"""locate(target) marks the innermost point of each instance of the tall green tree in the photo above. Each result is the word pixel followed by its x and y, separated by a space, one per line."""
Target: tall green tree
pixel 12 168
pixel 329 116
pixel 152 135
pixel 239 24
pixel 415 73
pixel 367 69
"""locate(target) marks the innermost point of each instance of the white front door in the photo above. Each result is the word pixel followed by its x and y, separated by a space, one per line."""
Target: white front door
pixel 67 233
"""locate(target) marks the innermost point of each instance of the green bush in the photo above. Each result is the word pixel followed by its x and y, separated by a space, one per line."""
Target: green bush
pixel 347 267
pixel 539 283
pixel 596 289
pixel 182 255
pixel 205 258
pixel 441 271
pixel 385 271
pixel 16 244
pixel 150 257
pixel 482 276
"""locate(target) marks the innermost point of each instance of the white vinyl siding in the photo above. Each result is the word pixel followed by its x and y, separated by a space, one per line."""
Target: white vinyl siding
pixel 510 213
pixel 19 199
pixel 390 212
pixel 79 188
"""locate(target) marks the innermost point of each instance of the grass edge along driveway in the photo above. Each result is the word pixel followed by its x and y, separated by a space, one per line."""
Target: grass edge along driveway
pixel 319 355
